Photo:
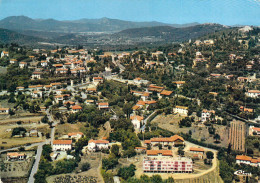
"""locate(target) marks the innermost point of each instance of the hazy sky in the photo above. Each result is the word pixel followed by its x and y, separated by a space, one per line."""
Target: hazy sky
pixel 228 12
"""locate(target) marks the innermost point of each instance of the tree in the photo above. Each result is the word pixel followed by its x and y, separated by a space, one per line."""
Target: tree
pixel 217 137
pixel 18 131
pixel 127 172
pixel 210 155
pixel 169 180
pixel 45 119
pixel 156 179
pixel 115 150
pixel 85 166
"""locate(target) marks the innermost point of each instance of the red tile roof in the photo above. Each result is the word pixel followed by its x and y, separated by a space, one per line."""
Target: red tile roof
pixel 65 142
pixel 98 141
pixel 156 152
pixel 197 149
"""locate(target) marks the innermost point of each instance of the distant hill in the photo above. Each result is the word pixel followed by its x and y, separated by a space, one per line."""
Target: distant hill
pixel 168 33
pixel 19 23
pixel 8 36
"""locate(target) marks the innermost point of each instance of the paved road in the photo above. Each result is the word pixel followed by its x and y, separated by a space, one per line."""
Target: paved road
pixel 39 149
pixel 36 163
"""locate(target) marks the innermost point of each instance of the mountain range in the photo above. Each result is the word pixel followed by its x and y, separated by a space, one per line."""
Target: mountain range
pixel 77 26
pixel 104 31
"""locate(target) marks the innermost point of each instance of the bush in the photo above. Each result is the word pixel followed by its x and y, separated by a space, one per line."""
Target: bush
pixel 85 166
pixel 127 172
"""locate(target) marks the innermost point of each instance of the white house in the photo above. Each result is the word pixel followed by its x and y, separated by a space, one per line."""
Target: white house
pixel 75 135
pixel 61 145
pixel 15 156
pixel 253 93
pixel 44 63
pixel 136 120
pixel 76 108
pixel 36 75
pixel 97 80
pixel 22 65
pixel 13 61
pixel 95 145
pixel 253 130
pixel 37 94
pixel 242 159
pixel 4 54
pixel 207 115
pixel 4 110
pixel 104 105
pixel 182 110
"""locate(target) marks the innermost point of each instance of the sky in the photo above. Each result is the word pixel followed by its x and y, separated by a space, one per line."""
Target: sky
pixel 227 12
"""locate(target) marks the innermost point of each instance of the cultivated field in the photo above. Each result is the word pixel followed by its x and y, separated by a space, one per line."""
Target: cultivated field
pixel 237 135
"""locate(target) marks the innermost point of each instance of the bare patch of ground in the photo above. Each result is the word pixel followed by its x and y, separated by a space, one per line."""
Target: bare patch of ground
pixel 171 123
pixel 64 129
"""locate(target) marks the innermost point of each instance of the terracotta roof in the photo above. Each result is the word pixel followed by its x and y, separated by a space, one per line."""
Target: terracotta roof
pixel 91 89
pixel 100 104
pixel 66 142
pixel 140 102
pixel 98 141
pixel 197 149
pixel 150 102
pixel 139 118
pixel 15 154
pixel 243 157
pixel 98 78
pixel 23 63
pixel 75 133
pixel 256 129
pixel 166 92
pixel 156 152
pixel 146 94
pixel 179 82
pixel 253 91
pixel 69 102
pixel 154 86
pixel 75 107
pixel 32 86
pixel 57 65
pixel 208 111
pixel 19 87
pixel 4 109
pixel 54 84
pixel 138 79
pixel 147 141
pixel 143 148
pixel 213 93
pixel 167 139
pixel 136 107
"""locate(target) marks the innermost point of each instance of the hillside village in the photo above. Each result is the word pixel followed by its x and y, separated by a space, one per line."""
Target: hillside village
pixel 185 111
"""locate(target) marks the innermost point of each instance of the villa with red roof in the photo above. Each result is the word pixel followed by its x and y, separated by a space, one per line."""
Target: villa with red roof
pixel 174 140
pixel 75 135
pixel 243 159
pixel 62 145
pixel 96 145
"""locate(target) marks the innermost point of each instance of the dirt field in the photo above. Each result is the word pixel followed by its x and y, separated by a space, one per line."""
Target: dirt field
pixel 64 129
pixel 26 119
pixel 7 141
pixel 237 135
pixel 171 123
